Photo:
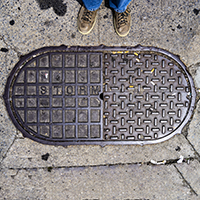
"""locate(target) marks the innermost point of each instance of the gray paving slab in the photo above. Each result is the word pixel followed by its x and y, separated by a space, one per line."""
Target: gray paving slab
pixel 29 170
pixel 34 28
pixel 8 58
pixel 103 182
pixel 191 175
pixel 194 127
pixel 195 72
pixel 7 131
pixel 27 153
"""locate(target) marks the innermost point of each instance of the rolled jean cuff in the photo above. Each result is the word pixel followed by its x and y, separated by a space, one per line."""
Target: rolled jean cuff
pixel 119 5
pixel 92 5
pixel 92 9
pixel 120 11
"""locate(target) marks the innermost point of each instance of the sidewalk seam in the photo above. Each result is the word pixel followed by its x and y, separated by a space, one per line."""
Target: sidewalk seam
pixel 196 152
pixel 5 154
pixel 192 190
pixel 11 47
pixel 168 162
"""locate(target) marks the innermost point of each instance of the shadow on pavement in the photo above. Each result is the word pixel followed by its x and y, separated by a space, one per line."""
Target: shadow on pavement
pixel 59 7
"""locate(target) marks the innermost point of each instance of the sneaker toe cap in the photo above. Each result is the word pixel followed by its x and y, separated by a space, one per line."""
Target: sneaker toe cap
pixel 84 27
pixel 123 30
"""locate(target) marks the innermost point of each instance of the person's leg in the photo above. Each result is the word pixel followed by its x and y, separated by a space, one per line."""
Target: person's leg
pixel 119 5
pixel 92 5
pixel 122 16
pixel 87 16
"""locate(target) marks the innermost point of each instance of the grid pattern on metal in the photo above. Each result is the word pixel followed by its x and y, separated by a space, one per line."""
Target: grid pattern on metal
pixel 100 95
pixel 57 96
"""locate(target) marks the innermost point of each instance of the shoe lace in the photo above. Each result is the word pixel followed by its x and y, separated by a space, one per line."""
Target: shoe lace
pixel 123 17
pixel 87 15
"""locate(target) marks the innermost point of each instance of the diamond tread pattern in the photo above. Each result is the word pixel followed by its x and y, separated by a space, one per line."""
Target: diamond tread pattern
pixel 100 96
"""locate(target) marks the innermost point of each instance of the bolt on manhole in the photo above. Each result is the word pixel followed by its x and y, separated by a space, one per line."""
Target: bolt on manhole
pixel 100 95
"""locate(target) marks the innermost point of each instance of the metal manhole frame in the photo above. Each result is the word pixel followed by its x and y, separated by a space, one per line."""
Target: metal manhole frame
pixel 102 49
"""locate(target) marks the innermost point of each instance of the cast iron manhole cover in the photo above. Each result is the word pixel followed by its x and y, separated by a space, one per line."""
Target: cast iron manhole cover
pixel 100 95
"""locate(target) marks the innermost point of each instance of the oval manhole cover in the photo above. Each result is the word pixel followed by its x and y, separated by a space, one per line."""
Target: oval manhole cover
pixel 100 95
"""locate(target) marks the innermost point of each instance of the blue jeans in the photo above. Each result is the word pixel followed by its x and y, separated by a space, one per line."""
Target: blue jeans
pixel 117 5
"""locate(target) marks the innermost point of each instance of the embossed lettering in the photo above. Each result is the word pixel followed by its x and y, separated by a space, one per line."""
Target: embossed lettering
pixel 57 90
pixel 69 89
pixel 94 90
pixel 43 90
pixel 83 90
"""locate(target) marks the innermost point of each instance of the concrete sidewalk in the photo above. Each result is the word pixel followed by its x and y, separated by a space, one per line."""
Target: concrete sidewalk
pixel 30 170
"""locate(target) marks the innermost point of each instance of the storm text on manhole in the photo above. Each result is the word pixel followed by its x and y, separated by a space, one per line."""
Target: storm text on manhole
pixel 100 95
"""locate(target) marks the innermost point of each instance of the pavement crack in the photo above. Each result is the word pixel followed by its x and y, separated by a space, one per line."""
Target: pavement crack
pixel 50 168
pixel 195 64
pixel 196 152
pixel 15 49
pixel 171 161
pixel 192 190
pixel 13 176
pixel 187 126
pixel 4 156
